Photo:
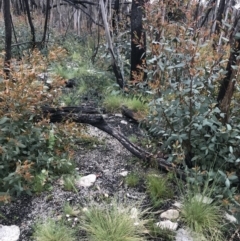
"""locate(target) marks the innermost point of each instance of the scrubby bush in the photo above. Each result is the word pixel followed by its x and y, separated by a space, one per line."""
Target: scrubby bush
pixel 183 76
pixel 29 145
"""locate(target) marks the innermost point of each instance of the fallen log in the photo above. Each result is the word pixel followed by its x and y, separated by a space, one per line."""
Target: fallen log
pixel 89 116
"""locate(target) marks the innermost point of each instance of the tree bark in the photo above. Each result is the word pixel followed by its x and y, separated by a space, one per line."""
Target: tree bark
pixel 138 40
pixel 30 23
pixel 46 21
pixel 8 37
pixel 227 86
pixel 219 17
pixel 116 69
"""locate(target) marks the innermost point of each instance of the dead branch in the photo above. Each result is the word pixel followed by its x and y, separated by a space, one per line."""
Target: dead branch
pixel 92 117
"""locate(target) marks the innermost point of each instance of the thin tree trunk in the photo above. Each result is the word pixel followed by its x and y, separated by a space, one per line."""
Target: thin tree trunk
pixel 116 69
pixel 8 37
pixel 227 86
pixel 138 40
pixel 46 21
pixel 219 17
pixel 30 23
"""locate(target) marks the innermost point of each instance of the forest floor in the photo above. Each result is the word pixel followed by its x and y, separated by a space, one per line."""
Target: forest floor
pixel 107 158
pixel 111 162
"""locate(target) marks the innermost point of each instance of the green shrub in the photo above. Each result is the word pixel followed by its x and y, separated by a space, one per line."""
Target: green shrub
pixel 184 114
pixel 30 146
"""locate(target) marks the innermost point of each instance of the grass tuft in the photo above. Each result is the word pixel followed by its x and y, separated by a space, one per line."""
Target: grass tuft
pixel 202 218
pixel 116 222
pixel 70 210
pixel 132 180
pixel 68 183
pixel 158 189
pixel 113 103
pixel 50 230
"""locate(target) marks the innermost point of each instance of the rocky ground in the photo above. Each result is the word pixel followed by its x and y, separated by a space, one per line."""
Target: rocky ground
pixel 110 162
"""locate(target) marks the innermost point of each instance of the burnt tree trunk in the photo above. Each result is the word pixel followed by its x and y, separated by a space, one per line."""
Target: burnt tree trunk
pixel 219 17
pixel 138 40
pixel 227 86
pixel 8 37
pixel 91 116
pixel 30 23
pixel 46 21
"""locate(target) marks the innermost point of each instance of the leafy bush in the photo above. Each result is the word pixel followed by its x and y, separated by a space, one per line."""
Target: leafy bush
pixel 183 76
pixel 28 144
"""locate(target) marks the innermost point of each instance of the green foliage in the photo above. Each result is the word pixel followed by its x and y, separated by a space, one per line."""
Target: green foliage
pixel 116 222
pixel 132 179
pixel 51 230
pixel 113 103
pixel 70 210
pixel 158 189
pixel 202 218
pixel 31 150
pixel 183 76
pixel 68 183
pixel 39 182
pixel 91 82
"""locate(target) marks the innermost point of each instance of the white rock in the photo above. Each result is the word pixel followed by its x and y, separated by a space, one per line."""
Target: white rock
pixel 123 174
pixel 167 225
pixel 177 204
pixel 9 233
pixel 200 198
pixel 86 181
pixel 123 122
pixel 170 214
pixel 230 218
pixel 183 235
pixel 118 115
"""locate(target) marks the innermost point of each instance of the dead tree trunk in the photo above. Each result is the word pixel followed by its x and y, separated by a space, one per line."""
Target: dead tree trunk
pixel 8 37
pixel 138 40
pixel 30 23
pixel 92 117
pixel 227 86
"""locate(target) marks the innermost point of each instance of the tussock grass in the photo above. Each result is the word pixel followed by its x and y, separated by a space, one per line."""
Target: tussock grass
pixel 68 183
pixel 116 222
pixel 132 179
pixel 70 210
pixel 202 218
pixel 158 189
pixel 51 230
pixel 200 212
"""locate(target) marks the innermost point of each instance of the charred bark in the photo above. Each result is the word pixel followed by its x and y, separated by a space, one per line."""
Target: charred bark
pixel 80 115
pixel 30 23
pixel 138 40
pixel 8 37
pixel 219 17
pixel 227 86
pixel 46 21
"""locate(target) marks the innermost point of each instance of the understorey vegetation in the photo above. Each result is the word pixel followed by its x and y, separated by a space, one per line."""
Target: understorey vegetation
pixel 161 67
